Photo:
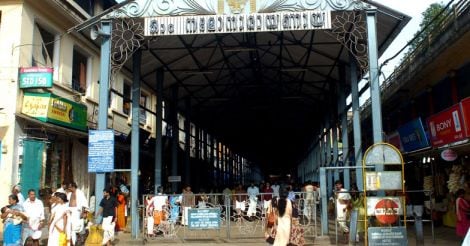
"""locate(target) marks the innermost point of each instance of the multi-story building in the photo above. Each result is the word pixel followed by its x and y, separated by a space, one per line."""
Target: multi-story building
pixel 49 81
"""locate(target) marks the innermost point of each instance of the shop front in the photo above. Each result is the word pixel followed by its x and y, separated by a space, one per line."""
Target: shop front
pixel 437 157
pixel 52 144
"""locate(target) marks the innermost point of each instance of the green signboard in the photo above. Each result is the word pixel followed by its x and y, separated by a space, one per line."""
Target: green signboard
pixel 36 77
pixel 48 107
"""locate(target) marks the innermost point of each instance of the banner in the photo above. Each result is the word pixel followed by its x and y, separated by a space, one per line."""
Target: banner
pixel 48 107
pixel 446 126
pixel 412 135
pixel 465 107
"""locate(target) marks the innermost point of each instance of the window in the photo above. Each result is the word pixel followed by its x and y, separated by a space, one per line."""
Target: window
pixel 43 48
pixel 143 112
pixel 126 99
pixel 79 71
pixel 86 5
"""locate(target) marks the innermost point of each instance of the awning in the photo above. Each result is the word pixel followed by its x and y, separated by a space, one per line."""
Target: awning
pixel 51 127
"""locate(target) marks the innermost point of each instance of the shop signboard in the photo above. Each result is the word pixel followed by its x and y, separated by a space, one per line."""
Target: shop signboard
pixel 394 139
pixel 48 107
pixel 446 127
pixel 449 155
pixel 412 135
pixel 465 107
pixel 204 218
pixel 387 236
pixel 100 151
pixel 35 77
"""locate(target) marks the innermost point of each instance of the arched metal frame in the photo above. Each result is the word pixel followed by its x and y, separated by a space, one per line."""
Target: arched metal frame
pixel 348 26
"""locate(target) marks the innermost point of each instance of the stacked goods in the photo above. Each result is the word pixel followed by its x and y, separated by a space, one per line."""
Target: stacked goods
pixel 427 183
pixel 455 176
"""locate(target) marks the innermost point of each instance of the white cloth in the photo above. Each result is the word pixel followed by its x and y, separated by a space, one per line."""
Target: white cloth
pixel 108 229
pixel 57 215
pixel 275 190
pixel 253 192
pixel 341 208
pixel 35 212
pixel 240 205
pixel 82 202
pixel 158 202
pixel 20 198
pixel 252 207
pixel 184 219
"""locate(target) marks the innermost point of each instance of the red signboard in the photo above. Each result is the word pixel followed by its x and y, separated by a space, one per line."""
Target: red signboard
pixel 446 126
pixel 386 211
pixel 465 106
pixel 394 139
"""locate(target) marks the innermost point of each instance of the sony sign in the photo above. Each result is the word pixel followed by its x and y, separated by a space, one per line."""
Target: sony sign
pixel 237 23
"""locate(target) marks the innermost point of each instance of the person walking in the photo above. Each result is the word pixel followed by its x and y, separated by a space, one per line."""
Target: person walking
pixel 343 200
pixel 188 201
pixel 34 209
pixel 77 204
pixel 253 193
pixel 121 211
pixel 108 210
pixel 59 227
pixel 283 208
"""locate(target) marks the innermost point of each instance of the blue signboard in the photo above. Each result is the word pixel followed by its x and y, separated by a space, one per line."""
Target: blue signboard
pixel 387 236
pixel 412 135
pixel 100 151
pixel 204 219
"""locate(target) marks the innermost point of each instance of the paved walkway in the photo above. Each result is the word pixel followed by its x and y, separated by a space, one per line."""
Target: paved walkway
pixel 444 236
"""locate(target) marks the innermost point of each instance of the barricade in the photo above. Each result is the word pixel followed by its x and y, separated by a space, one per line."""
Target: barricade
pixel 238 216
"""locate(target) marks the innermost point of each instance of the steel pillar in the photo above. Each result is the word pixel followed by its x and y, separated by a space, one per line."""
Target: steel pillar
pixel 103 99
pixel 174 136
pixel 334 134
pixel 158 130
pixel 356 123
pixel 374 75
pixel 344 139
pixel 187 142
pixel 135 142
pixel 324 200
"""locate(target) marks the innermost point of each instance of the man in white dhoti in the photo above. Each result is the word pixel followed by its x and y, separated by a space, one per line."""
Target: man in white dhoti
pixel 77 204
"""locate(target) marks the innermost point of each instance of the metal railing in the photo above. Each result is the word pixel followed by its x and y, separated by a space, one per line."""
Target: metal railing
pixel 235 220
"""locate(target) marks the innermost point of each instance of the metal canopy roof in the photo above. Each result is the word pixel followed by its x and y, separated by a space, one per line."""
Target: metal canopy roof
pixel 266 95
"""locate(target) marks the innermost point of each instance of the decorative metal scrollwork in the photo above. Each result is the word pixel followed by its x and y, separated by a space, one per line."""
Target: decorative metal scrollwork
pixel 127 37
pixel 349 29
pixel 269 6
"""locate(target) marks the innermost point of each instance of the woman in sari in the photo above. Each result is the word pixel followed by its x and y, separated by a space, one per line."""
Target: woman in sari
pixel 60 227
pixel 121 211
pixel 283 206
pixel 175 201
pixel 463 214
pixel 12 216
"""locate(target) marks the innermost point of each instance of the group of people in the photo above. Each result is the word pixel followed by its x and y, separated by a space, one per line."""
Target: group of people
pixel 24 219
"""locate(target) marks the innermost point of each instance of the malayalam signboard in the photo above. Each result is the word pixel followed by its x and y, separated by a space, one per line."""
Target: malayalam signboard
pixel 387 236
pixel 100 151
pixel 35 77
pixel 385 180
pixel 48 107
pixel 412 135
pixel 237 23
pixel 446 127
pixel 204 219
